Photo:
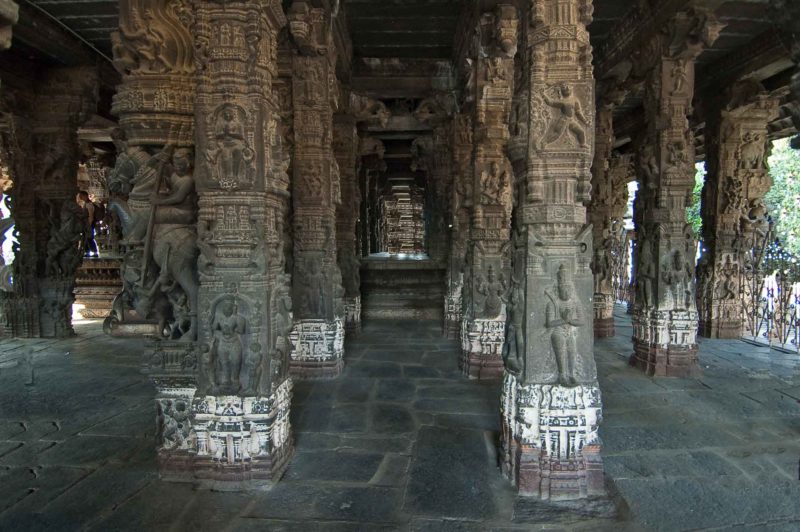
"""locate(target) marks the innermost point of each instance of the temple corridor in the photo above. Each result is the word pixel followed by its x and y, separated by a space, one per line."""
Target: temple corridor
pixel 402 441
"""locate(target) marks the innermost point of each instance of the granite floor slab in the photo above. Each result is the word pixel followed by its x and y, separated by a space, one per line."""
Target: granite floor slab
pixel 401 441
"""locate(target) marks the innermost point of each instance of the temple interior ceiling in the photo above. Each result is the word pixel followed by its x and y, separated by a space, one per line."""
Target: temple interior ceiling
pixel 404 49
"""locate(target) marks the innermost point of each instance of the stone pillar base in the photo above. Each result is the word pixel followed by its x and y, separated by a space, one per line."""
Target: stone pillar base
pixel 56 298
pixel 318 349
pixel 481 349
pixel 452 315
pixel 665 344
pixel 604 328
pixel 352 315
pixel 670 361
pixel 720 330
pixel 603 315
pixel 233 443
pixel 20 316
pixel 452 327
pixel 550 446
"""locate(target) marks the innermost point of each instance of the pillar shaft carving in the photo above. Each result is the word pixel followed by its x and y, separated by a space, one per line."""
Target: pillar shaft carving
pixel 155 103
pixel 734 215
pixel 220 363
pixel 433 154
pixel 460 199
pixel 42 152
pixel 665 314
pixel 345 147
pixel 610 176
pixel 318 334
pixel 487 272
pixel 551 400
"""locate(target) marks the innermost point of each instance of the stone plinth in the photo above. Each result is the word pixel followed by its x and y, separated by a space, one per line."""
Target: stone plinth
pixel 603 315
pixel 551 445
pixel 318 349
pixel 665 344
pixel 481 348
pixel 352 315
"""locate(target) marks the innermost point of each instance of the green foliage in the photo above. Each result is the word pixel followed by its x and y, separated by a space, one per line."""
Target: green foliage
pixel 693 211
pixel 783 200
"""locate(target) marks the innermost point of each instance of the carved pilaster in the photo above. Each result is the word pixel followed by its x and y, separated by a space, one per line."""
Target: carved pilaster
pixel 665 315
pixel 551 400
pixel 486 279
pixel 733 210
pixel 318 291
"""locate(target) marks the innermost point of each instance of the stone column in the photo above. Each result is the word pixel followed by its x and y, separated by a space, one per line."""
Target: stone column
pixel 43 150
pixel 486 277
pixel 228 264
pixel 346 147
pixel 733 210
pixel 460 204
pixel 665 315
pixel 606 211
pixel 153 52
pixel 434 155
pixel 550 402
pixel 318 334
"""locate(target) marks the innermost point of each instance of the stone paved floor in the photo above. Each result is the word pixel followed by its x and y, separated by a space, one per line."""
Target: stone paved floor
pixel 400 442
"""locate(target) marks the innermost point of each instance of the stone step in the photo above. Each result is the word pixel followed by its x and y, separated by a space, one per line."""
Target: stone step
pixel 402 291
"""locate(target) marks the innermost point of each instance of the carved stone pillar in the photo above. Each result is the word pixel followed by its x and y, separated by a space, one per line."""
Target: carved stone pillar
pixel 733 210
pixel 346 147
pixel 237 433
pixel 318 334
pixel 606 210
pixel 41 143
pixel 665 315
pixel 460 203
pixel 153 51
pixel 550 403
pixel 434 155
pixel 487 271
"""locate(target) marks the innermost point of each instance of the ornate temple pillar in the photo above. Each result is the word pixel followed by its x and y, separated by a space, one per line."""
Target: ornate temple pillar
pixel 606 212
pixel 733 210
pixel 42 147
pixel 487 271
pixel 153 52
pixel 434 155
pixel 318 335
pixel 223 391
pixel 346 148
pixel 460 198
pixel 371 151
pixel 550 402
pixel 665 314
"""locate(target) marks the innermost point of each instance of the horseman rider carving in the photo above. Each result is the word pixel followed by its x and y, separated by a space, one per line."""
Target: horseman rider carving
pixel 160 218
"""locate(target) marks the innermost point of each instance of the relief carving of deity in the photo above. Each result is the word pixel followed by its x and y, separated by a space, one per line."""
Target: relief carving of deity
pixel 494 290
pixel 228 329
pixel 231 158
pixel 567 116
pixel 564 316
